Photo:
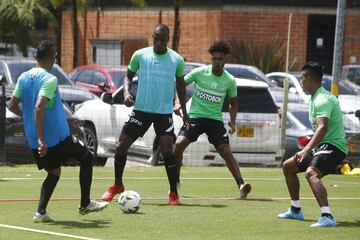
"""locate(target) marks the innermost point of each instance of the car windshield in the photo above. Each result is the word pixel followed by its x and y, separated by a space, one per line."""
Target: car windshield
pixel 253 100
pixel 117 77
pixel 17 68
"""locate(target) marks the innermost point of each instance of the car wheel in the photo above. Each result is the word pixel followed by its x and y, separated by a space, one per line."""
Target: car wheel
pixel 92 144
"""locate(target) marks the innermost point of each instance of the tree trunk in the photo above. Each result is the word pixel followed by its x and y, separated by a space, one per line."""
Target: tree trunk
pixel 58 35
pixel 75 34
pixel 176 34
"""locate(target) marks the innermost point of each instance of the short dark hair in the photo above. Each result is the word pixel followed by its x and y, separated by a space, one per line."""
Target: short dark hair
pixel 163 27
pixel 314 69
pixel 219 46
pixel 44 50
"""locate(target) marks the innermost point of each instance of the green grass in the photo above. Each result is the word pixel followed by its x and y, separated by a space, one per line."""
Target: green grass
pixel 201 218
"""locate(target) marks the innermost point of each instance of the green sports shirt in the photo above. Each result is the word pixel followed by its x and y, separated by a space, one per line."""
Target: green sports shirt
pixel 209 92
pixel 324 104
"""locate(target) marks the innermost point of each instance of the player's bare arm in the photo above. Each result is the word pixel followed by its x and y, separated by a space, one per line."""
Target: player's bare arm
pixel 39 117
pixel 14 107
pixel 129 100
pixel 233 107
pixel 181 92
pixel 322 126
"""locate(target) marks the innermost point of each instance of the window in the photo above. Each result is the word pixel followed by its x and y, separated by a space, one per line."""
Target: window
pixel 86 76
pixel 253 100
pixel 106 52
pixel 119 96
pixel 98 77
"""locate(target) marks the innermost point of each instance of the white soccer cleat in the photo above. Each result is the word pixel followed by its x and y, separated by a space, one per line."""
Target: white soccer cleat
pixel 42 218
pixel 93 206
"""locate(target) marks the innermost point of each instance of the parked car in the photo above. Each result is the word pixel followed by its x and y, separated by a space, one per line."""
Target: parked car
pixel 70 93
pixel 257 140
pixel 247 72
pixel 350 74
pixel 299 132
pixel 348 99
pixel 97 78
pixel 13 50
pixel 17 150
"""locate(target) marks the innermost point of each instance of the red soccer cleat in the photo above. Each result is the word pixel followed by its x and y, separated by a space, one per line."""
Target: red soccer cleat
pixel 174 199
pixel 112 191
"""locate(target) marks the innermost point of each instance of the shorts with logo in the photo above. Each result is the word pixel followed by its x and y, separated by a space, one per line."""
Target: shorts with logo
pixel 69 148
pixel 325 157
pixel 214 129
pixel 139 122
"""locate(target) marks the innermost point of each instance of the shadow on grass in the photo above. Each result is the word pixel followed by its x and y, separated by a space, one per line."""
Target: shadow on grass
pixel 83 224
pixel 188 205
pixel 349 224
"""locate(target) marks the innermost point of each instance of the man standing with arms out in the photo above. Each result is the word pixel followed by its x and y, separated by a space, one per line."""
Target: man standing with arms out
pixel 212 85
pixel 158 69
pixel 325 151
pixel 48 132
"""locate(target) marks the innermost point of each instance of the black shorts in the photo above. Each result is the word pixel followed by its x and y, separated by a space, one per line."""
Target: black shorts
pixel 69 148
pixel 325 157
pixel 214 129
pixel 139 122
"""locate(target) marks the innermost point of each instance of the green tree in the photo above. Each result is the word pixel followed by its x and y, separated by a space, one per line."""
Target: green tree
pixel 18 19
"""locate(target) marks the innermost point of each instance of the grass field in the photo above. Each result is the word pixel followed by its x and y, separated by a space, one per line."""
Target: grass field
pixel 210 208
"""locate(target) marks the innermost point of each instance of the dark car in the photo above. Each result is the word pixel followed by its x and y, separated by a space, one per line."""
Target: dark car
pixel 97 79
pixel 70 93
pixel 16 147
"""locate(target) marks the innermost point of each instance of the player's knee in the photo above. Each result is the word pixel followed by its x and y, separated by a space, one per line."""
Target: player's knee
pixel 311 174
pixel 289 166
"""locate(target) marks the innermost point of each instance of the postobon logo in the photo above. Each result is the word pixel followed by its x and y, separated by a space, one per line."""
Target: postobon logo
pixel 208 97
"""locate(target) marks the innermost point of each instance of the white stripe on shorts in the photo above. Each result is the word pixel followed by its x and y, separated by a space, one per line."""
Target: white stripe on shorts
pixel 323 152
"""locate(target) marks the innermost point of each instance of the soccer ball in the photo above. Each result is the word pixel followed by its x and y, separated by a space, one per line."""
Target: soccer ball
pixel 129 201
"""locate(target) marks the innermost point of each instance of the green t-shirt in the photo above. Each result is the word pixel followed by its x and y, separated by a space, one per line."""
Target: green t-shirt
pixel 209 92
pixel 324 104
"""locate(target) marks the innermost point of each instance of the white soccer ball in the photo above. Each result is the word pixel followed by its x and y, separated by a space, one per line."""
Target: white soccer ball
pixel 129 201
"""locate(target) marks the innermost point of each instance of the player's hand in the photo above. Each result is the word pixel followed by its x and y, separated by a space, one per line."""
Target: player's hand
pixel 177 109
pixel 186 120
pixel 42 149
pixel 232 126
pixel 129 100
pixel 301 155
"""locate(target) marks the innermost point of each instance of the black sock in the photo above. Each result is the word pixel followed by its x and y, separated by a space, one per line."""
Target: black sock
pixel 46 191
pixel 327 215
pixel 295 209
pixel 119 165
pixel 177 177
pixel 85 177
pixel 170 166
pixel 239 181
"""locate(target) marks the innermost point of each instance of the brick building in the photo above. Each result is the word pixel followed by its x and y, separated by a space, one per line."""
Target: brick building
pixel 112 32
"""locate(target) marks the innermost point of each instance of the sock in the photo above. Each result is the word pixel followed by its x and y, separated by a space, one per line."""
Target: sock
pixel 239 181
pixel 46 191
pixel 119 164
pixel 325 212
pixel 177 177
pixel 170 166
pixel 85 177
pixel 295 206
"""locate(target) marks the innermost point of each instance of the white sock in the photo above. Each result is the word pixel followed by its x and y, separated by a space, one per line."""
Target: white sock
pixel 325 209
pixel 295 203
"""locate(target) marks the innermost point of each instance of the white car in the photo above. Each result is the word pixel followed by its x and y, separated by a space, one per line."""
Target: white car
pixel 257 140
pixel 349 101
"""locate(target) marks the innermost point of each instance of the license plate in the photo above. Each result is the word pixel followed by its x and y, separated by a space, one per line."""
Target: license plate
pixel 352 147
pixel 245 132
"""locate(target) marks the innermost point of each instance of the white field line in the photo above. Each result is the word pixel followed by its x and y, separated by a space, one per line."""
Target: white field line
pixel 46 232
pixel 143 178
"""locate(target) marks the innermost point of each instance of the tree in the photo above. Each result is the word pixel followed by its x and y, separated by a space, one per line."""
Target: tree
pixel 176 34
pixel 18 19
